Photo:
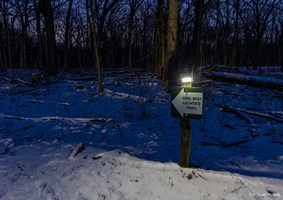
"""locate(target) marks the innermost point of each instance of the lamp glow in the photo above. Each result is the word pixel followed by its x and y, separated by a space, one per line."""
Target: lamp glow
pixel 187 80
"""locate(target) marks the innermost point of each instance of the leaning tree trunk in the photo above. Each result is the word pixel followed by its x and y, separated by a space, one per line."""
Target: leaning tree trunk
pixel 171 57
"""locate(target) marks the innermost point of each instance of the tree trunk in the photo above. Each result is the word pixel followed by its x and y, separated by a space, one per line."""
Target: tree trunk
pixel 160 37
pixel 236 34
pixel 39 42
pixel 96 50
pixel 13 43
pixel 145 24
pixel 89 33
pixel 226 35
pixel 130 26
pixel 217 38
pixel 2 60
pixel 196 43
pixel 67 30
pixel 47 12
pixel 171 57
pixel 185 142
pixel 281 47
pixel 134 5
pixel 8 36
pixel 23 54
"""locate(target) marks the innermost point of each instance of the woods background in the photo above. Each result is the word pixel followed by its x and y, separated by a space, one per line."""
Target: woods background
pixel 60 34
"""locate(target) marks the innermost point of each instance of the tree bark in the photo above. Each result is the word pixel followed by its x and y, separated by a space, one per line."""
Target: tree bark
pixel 198 23
pixel 47 13
pixel 160 37
pixel 8 36
pixel 281 47
pixel 134 5
pixel 185 142
pixel 67 34
pixel 262 12
pixel 217 35
pixel 236 34
pixel 23 13
pixel 96 50
pixel 145 24
pixel 226 35
pixel 39 41
pixel 130 26
pixel 89 33
pixel 2 60
pixel 171 57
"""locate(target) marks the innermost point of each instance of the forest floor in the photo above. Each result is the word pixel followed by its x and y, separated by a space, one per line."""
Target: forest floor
pixel 61 139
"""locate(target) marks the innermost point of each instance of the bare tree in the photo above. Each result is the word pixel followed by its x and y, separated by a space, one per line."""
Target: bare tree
pixel 134 5
pixel 199 6
pixel 209 31
pixel 67 34
pixel 96 49
pixel 4 9
pixel 39 39
pixel 261 11
pixel 171 57
pixel 160 39
pixel 145 16
pixel 281 47
pixel 2 57
pixel 236 33
pixel 225 27
pixel 47 12
pixel 23 8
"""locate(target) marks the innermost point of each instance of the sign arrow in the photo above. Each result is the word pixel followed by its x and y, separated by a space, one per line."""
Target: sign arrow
pixel 189 101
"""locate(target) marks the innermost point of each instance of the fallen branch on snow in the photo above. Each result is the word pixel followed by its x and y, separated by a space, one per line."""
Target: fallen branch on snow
pixel 4 78
pixel 55 118
pixel 222 144
pixel 235 110
pixel 255 81
pixel 80 147
pixel 20 81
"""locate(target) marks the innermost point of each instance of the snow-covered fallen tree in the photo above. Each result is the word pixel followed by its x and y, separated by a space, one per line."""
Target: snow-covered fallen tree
pixel 250 80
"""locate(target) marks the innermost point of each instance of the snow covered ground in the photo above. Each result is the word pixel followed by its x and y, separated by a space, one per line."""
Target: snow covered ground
pixel 60 139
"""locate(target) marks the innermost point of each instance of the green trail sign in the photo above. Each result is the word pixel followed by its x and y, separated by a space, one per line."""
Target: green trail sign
pixel 187 101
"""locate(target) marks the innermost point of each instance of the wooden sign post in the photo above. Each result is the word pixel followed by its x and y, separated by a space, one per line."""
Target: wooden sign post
pixel 187 103
pixel 185 144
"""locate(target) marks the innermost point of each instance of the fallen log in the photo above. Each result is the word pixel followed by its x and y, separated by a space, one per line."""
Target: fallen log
pixel 235 110
pixel 254 81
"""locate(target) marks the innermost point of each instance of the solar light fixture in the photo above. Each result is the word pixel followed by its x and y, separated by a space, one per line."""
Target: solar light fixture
pixel 187 79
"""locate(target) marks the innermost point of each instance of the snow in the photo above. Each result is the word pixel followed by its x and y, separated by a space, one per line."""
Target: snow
pixel 60 141
pixel 251 78
pixel 259 70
